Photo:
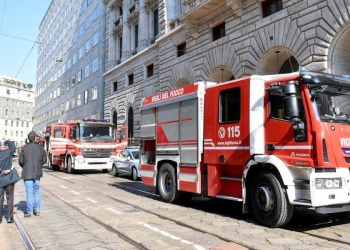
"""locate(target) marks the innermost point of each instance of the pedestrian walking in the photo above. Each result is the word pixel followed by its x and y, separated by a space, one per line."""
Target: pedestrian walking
pixel 31 159
pixel 7 149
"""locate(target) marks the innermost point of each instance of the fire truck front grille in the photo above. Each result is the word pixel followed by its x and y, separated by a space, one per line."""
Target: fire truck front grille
pixel 98 153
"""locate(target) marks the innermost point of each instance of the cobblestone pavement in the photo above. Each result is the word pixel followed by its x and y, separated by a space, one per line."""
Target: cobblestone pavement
pixel 133 209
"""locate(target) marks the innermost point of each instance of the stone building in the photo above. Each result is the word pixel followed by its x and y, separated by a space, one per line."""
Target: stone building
pixel 70 62
pixel 152 46
pixel 17 106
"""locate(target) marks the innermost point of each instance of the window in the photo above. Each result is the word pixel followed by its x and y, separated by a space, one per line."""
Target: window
pixel 95 39
pixel 81 30
pixel 72 101
pixel 87 71
pixel 68 85
pixel 95 65
pixel 80 73
pixel 115 86
pixel 96 12
pixel 82 8
pixel 86 96
pixel 94 93
pixel 120 47
pixel 218 31
pixel 136 36
pixel 87 46
pixel 63 88
pixel 74 58
pixel 67 105
pixel 181 49
pixel 78 100
pixel 270 7
pixel 81 53
pixel 131 79
pixel 73 81
pixel 150 70
pixel 88 22
pixel 6 122
pixel 88 2
pixel 155 23
pixel 75 37
pixel 230 105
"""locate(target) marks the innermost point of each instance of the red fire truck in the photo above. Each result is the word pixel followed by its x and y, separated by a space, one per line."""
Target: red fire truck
pixel 83 144
pixel 273 142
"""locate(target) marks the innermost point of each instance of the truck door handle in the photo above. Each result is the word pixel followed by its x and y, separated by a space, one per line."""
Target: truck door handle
pixel 270 147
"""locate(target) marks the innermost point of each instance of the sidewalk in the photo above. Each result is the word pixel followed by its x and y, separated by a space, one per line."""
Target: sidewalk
pixel 11 238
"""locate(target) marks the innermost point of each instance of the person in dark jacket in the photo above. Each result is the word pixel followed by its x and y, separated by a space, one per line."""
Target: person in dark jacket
pixel 7 149
pixel 31 159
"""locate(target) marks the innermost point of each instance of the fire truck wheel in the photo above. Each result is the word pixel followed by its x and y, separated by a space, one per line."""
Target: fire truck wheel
pixel 167 184
pixel 134 174
pixel 269 201
pixel 114 170
pixel 69 166
pixel 49 162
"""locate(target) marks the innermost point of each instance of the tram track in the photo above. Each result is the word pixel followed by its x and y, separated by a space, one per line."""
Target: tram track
pixel 182 224
pixel 108 227
pixel 141 192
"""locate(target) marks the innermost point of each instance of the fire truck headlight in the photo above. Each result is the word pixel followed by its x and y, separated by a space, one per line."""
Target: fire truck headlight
pixel 111 160
pixel 81 160
pixel 329 183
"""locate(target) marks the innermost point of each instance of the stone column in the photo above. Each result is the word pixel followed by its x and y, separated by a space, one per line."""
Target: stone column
pixel 143 27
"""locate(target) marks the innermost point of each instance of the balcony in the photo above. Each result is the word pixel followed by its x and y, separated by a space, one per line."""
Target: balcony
pixel 151 4
pixel 195 9
pixel 133 12
pixel 116 3
pixel 118 25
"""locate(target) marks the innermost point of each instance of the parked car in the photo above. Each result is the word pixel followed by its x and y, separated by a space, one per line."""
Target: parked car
pixel 127 163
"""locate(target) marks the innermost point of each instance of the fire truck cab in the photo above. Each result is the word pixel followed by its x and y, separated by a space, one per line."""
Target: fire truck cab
pixel 273 142
pixel 83 144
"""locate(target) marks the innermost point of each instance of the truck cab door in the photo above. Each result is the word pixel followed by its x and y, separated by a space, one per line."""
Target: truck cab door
pixel 293 146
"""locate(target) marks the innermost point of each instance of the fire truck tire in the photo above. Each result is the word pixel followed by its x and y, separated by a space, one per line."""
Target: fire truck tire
pixel 69 166
pixel 269 200
pixel 167 184
pixel 49 162
pixel 114 170
pixel 50 165
pixel 134 176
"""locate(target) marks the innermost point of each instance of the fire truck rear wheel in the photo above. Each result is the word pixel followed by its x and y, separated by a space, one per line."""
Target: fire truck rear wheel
pixel 69 166
pixel 167 184
pixel 49 162
pixel 269 200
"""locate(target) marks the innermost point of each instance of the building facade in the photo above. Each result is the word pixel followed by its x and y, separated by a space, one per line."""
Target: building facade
pixel 17 107
pixel 152 46
pixel 71 62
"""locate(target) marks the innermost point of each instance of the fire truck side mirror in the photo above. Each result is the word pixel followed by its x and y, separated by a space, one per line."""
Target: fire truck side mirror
pixel 290 102
pixel 47 134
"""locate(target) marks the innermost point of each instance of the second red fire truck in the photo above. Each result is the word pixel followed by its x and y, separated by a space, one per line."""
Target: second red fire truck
pixel 83 144
pixel 272 142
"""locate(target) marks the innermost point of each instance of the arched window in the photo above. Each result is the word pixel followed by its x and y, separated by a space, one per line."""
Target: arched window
pixel 130 123
pixel 115 118
pixel 289 66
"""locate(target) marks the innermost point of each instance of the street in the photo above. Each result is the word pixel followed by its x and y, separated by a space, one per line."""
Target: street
pixel 94 210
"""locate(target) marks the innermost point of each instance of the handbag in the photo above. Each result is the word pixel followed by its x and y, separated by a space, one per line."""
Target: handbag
pixel 9 179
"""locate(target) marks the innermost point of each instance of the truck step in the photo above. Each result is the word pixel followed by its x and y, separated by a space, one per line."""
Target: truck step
pixel 228 198
pixel 230 178
pixel 303 201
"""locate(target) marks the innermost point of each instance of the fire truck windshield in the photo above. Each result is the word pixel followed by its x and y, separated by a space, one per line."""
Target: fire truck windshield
pixel 331 104
pixel 96 133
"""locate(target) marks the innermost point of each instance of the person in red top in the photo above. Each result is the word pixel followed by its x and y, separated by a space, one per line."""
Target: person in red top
pixel 7 149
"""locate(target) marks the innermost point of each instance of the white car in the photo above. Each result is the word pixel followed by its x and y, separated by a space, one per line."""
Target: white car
pixel 127 163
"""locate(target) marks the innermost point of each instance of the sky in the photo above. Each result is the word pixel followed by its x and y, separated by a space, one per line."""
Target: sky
pixel 19 22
